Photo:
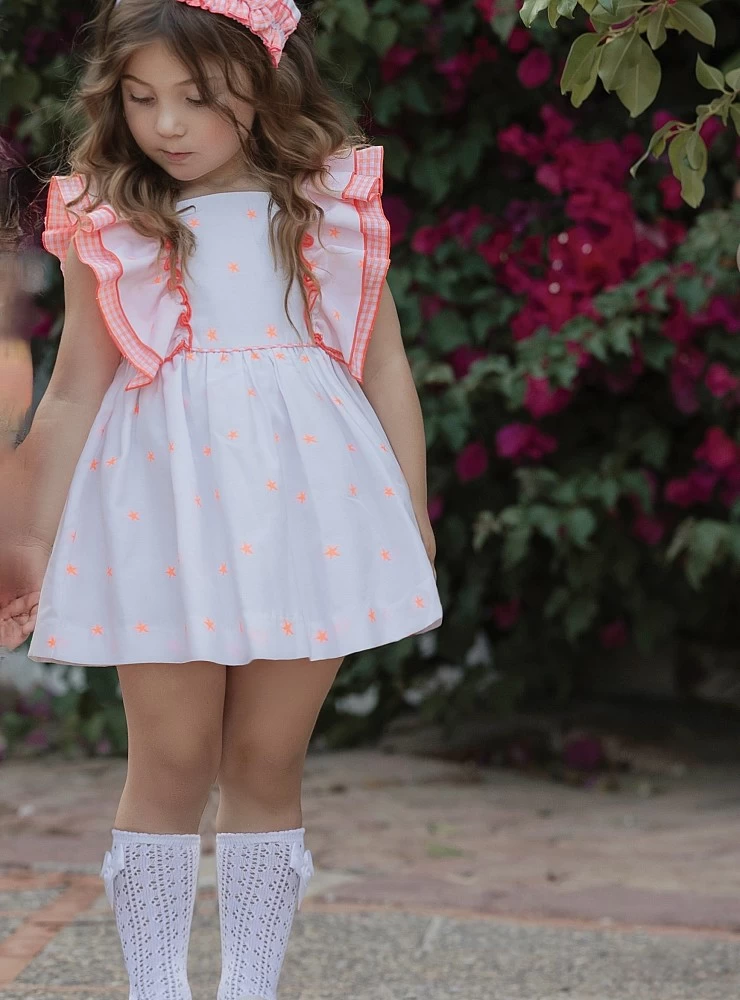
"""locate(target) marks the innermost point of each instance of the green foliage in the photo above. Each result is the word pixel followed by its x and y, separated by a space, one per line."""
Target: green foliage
pixel 616 53
pixel 538 557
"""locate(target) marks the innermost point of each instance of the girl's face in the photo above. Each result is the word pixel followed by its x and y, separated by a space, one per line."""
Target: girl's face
pixel 173 127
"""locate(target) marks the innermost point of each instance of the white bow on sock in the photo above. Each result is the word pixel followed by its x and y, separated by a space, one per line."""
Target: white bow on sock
pixel 151 881
pixel 262 879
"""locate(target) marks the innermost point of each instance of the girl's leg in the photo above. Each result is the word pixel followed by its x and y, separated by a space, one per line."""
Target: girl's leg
pixel 174 714
pixel 270 710
pixel 174 717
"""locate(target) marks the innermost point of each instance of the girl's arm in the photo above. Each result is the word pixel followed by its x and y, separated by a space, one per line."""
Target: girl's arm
pixel 390 388
pixel 83 371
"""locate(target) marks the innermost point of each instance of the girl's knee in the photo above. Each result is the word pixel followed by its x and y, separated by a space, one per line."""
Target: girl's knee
pixel 274 763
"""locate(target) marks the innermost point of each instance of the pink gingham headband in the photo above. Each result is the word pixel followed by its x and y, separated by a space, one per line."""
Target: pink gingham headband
pixel 273 21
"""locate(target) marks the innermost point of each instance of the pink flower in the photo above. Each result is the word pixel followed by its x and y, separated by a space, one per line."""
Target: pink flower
pixel 680 328
pixel 495 250
pixel 521 441
pixel 516 141
pixel 431 306
pixel 428 238
pixel 519 40
pixel 487 8
pixel 670 189
pixel 695 488
pixel 535 69
pixel 507 613
pixel 718 450
pixel 720 380
pixel 463 225
pixel 661 118
pixel 730 492
pixel 395 61
pixel 399 215
pixel 542 400
pixel 648 529
pixel 463 357
pixel 614 635
pixel 435 508
pixel 711 128
pixel 472 462
pixel 720 311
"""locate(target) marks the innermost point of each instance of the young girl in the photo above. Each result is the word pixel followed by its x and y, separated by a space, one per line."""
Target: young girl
pixel 229 459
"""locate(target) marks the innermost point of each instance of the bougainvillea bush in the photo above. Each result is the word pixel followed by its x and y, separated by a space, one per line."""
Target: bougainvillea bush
pixel 574 333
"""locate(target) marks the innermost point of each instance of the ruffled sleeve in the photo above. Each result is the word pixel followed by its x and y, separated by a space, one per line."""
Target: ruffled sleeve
pixel 348 254
pixel 148 322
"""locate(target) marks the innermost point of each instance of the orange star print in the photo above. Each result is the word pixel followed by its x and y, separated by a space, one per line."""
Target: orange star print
pixel 322 637
pixel 234 267
pixel 287 627
pixel 142 628
pixel 332 552
pixel 97 629
pixel 171 572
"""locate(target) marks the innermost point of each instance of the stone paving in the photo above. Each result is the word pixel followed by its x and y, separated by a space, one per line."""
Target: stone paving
pixel 433 880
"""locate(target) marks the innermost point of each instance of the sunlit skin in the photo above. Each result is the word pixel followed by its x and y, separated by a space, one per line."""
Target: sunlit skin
pixel 165 114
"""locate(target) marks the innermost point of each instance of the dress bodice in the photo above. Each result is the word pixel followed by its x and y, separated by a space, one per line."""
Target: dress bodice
pixel 235 288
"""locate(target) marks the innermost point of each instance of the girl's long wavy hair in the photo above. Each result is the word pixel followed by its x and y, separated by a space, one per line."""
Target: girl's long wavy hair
pixel 298 123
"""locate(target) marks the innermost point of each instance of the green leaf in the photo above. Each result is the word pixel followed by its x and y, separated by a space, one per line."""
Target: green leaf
pixel 579 615
pixel 708 76
pixel 733 79
pixel 383 34
pixel 580 61
pixel 656 146
pixel 516 546
pixel 655 23
pixel 696 152
pixel 530 10
pixel 567 7
pixel 580 524
pixel 686 16
pixel 683 152
pixel 583 90
pixel 620 55
pixel 640 88
pixel 355 18
pixel 504 23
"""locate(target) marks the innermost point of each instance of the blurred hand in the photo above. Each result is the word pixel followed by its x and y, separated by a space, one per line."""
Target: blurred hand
pixel 22 569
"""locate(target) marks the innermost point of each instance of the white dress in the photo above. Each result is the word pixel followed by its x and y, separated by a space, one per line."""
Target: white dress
pixel 241 501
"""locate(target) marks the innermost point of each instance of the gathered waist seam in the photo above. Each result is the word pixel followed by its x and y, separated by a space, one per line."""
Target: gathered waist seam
pixel 258 347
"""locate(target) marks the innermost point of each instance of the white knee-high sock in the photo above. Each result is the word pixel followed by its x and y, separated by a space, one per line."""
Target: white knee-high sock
pixel 262 878
pixel 151 881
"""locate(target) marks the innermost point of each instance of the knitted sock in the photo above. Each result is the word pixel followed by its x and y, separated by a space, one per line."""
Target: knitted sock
pixel 262 878
pixel 151 881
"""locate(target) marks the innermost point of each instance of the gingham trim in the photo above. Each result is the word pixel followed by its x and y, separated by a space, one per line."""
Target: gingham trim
pixel 272 21
pixel 61 227
pixel 365 189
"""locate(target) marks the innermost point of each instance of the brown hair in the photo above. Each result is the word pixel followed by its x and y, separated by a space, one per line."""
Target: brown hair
pixel 298 123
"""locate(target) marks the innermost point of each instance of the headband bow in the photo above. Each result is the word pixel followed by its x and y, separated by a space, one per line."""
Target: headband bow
pixel 272 21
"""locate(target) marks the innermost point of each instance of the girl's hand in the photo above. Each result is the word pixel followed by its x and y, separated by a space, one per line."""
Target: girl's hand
pixel 22 569
pixel 427 533
pixel 17 620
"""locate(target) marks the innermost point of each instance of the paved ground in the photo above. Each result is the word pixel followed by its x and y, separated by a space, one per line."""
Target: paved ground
pixel 433 881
